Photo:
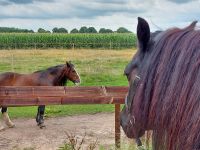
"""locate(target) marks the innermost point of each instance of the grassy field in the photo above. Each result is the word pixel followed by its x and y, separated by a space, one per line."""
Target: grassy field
pixel 67 41
pixel 96 67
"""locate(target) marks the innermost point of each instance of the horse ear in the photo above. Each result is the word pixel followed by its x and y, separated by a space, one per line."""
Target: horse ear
pixel 143 33
pixel 68 64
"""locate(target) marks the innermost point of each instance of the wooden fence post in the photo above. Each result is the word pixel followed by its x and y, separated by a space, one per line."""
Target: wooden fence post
pixel 117 126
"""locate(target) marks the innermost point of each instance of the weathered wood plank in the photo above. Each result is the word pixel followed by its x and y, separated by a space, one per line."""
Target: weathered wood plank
pixel 56 100
pixel 60 90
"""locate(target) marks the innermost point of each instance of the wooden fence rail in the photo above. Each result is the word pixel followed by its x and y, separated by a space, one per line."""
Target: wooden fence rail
pixel 13 96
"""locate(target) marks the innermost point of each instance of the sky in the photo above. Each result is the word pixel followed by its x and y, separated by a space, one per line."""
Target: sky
pixel 112 14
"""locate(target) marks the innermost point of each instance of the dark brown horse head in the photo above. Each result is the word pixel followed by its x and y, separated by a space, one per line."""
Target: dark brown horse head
pixel 129 122
pixel 163 79
pixel 72 74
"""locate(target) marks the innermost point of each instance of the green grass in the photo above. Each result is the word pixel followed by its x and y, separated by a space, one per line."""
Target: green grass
pixel 54 110
pixel 96 68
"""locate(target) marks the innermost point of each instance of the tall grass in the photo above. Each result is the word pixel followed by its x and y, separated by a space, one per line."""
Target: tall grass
pixel 86 142
pixel 67 41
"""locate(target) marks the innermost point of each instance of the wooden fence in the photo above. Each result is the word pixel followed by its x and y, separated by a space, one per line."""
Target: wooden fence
pixel 13 96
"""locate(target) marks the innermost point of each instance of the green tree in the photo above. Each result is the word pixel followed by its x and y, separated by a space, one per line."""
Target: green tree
pixel 74 30
pixel 14 30
pixel 59 30
pixel 109 31
pixel 123 30
pixel 40 30
pixel 83 30
pixel 103 30
pixel 62 30
pixel 91 30
pixel 55 30
pixel 28 31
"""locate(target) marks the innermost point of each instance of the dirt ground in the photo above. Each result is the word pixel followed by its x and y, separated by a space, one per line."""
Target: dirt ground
pixel 27 136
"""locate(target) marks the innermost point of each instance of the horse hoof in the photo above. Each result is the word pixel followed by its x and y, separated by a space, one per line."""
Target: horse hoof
pixel 2 128
pixel 11 126
pixel 41 126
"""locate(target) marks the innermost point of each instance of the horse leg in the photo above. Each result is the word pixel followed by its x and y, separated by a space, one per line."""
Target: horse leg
pixel 6 118
pixel 40 116
pixel 1 126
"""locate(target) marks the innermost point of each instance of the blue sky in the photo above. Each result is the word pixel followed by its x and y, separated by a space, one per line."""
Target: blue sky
pixel 32 14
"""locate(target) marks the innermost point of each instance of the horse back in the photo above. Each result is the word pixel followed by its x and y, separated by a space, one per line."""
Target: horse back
pixel 8 78
pixel 16 79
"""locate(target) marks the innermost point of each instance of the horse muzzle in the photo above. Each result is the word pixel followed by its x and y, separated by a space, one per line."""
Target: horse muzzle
pixel 128 125
pixel 77 82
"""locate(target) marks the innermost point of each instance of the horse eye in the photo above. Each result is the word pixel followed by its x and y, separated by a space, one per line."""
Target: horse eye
pixel 126 74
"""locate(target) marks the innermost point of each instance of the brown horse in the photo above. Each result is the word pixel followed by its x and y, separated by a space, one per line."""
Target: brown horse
pixel 53 76
pixel 164 88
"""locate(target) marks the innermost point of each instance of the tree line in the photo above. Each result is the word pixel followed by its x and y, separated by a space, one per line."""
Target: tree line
pixel 14 30
pixel 83 29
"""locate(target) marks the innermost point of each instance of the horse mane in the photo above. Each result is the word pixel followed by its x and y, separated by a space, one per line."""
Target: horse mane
pixel 169 95
pixel 50 69
pixel 53 70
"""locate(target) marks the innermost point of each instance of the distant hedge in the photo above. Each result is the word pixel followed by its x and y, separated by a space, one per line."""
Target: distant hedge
pixel 67 41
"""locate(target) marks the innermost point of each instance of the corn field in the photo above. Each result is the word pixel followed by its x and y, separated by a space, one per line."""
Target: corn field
pixel 67 41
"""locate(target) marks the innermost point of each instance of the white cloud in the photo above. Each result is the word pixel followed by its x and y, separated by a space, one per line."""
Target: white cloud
pixel 33 14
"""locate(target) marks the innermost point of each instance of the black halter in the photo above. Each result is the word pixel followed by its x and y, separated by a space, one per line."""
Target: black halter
pixel 66 71
pixel 132 90
pixel 129 101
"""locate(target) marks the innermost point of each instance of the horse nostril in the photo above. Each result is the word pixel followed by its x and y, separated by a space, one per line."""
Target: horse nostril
pixel 138 141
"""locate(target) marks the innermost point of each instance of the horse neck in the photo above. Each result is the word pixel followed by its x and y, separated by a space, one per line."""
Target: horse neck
pixel 59 77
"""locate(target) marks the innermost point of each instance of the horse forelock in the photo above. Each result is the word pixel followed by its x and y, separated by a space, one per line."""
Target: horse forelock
pixel 169 95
